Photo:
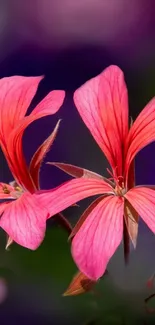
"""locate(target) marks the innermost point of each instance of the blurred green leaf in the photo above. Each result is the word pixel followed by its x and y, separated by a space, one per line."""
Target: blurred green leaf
pixel 47 271
pixel 52 258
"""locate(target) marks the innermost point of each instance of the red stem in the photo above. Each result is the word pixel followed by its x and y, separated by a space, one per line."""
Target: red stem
pixel 126 240
pixel 60 219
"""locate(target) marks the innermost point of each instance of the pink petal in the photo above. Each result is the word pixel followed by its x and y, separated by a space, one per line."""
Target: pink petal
pixel 24 220
pixel 65 195
pixel 150 281
pixel 76 171
pixel 3 206
pixel 141 133
pixel 50 104
pixel 143 201
pixel 17 166
pixel 103 105
pixel 39 155
pixel 16 95
pixel 20 172
pixel 99 237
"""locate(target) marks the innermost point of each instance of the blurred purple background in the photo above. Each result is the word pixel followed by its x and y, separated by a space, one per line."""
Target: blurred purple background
pixel 69 42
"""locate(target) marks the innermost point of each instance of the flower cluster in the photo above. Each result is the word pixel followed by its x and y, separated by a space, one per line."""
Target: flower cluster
pixel 102 103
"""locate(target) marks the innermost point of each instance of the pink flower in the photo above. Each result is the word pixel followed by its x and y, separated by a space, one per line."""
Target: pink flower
pixel 23 217
pixel 103 105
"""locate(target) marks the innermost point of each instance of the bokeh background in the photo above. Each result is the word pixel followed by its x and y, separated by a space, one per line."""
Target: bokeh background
pixel 69 42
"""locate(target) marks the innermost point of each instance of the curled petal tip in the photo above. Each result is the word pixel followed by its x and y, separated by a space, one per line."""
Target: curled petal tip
pixel 39 155
pixel 134 244
pixel 65 294
pixel 79 284
pixel 9 243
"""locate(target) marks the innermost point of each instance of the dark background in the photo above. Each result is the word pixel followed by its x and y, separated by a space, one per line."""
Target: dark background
pixel 69 42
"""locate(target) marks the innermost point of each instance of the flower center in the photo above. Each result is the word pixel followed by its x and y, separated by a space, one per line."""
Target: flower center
pixel 17 189
pixel 5 189
pixel 119 188
pixel 12 189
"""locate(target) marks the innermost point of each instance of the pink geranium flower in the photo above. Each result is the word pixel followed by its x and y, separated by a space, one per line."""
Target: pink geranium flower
pixel 103 105
pixel 23 216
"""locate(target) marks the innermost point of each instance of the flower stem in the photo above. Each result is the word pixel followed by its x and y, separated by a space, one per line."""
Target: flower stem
pixel 126 241
pixel 63 222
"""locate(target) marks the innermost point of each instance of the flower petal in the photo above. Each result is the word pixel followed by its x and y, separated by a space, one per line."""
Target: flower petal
pixel 70 192
pixel 131 219
pixel 3 206
pixel 99 237
pixel 79 284
pixel 39 155
pixel 103 105
pixel 143 201
pixel 24 220
pixel 141 133
pixel 15 97
pixel 77 171
pixel 49 105
pixel 9 242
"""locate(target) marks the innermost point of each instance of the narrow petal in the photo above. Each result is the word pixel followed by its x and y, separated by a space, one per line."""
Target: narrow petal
pixel 85 214
pixel 16 95
pixel 9 242
pixel 141 133
pixel 103 105
pixel 77 171
pixel 24 220
pixel 99 237
pixel 71 192
pixel 131 219
pixel 14 144
pixel 79 284
pixel 39 155
pixel 143 201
